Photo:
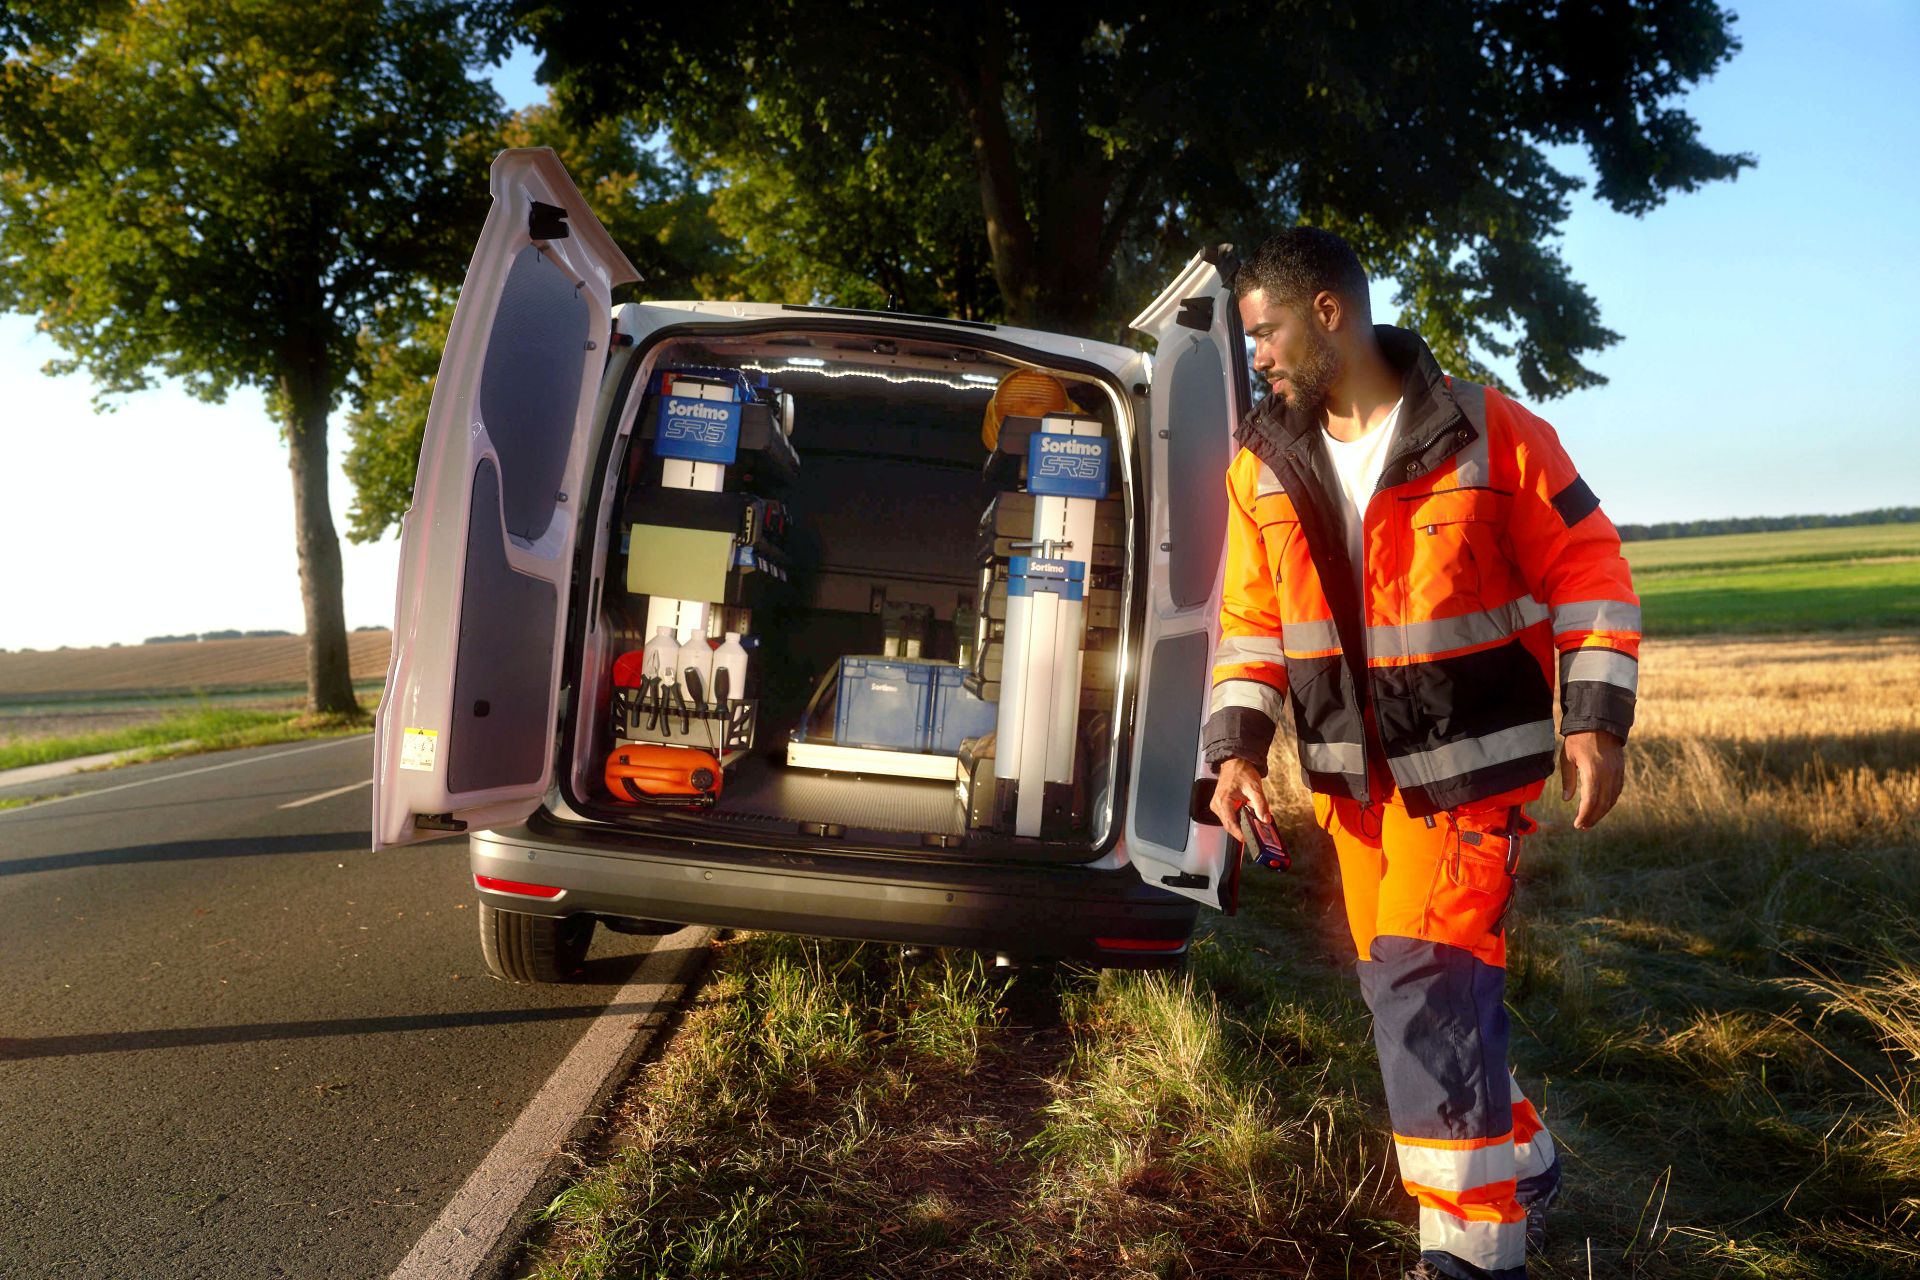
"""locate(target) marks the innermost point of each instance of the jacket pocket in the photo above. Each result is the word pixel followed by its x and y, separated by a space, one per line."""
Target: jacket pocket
pixel 1455 560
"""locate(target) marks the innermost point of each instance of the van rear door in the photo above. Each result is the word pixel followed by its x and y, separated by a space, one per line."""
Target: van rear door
pixel 465 732
pixel 1199 391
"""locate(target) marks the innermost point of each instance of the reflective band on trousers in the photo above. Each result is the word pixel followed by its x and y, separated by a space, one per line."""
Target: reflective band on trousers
pixel 1455 1169
pixel 1600 664
pixel 1310 637
pixel 1440 635
pixel 1491 1246
pixel 1234 650
pixel 1596 615
pixel 1424 768
pixel 1333 757
pixel 1251 694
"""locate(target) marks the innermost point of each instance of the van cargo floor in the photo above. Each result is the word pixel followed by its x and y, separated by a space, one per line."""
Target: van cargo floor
pixel 758 790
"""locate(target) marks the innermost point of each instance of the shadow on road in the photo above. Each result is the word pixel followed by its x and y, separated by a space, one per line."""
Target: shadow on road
pixel 610 969
pixel 188 850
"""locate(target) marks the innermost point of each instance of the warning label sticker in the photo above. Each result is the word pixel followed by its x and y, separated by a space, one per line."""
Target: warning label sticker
pixel 417 749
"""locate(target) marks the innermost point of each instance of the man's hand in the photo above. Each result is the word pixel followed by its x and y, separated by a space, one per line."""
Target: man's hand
pixel 1239 784
pixel 1596 761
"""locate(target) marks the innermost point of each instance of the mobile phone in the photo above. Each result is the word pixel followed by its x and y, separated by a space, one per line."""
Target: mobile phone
pixel 1262 842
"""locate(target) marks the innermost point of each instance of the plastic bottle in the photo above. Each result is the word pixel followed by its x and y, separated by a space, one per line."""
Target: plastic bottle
pixel 662 654
pixel 696 654
pixel 731 657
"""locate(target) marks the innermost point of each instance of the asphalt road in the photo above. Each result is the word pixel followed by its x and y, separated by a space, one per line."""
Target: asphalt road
pixel 235 1043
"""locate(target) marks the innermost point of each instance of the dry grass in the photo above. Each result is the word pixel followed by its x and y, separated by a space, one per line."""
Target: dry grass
pixel 1716 997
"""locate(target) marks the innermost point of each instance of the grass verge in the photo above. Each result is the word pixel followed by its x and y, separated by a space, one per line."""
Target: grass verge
pixel 208 728
pixel 1715 996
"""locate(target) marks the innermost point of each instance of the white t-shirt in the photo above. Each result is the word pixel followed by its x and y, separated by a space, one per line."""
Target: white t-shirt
pixel 1358 463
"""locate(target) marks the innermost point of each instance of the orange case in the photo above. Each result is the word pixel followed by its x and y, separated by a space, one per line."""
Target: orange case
pixel 648 772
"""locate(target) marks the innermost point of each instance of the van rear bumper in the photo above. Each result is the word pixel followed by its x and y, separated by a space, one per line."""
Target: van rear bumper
pixel 1055 912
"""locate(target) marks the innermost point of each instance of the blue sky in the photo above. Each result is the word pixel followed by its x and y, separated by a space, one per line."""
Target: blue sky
pixel 1762 368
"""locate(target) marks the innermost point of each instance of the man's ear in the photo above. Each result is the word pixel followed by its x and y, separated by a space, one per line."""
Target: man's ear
pixel 1327 311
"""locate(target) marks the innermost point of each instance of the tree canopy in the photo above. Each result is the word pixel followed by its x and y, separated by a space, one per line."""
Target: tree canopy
pixel 1075 152
pixel 228 192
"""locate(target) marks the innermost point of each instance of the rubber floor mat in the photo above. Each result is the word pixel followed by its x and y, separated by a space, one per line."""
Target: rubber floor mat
pixel 759 791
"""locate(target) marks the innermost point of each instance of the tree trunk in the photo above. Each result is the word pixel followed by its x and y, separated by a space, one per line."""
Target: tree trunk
pixel 329 667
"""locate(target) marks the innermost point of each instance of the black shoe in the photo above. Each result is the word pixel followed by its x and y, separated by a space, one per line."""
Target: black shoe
pixel 1536 1229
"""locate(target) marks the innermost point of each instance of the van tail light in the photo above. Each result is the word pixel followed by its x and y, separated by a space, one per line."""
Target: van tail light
pixel 497 885
pixel 1141 944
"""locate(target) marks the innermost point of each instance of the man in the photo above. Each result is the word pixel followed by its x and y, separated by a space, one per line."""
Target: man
pixel 1414 559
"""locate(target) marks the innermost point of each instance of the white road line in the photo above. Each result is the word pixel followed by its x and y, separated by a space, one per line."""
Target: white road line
pixel 185 773
pixel 328 795
pixel 469 1229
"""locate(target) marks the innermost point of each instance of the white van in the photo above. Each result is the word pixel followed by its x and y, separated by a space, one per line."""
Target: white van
pixel 537 528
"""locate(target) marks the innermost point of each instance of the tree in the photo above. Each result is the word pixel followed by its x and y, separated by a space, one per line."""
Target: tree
pixel 1100 144
pixel 226 192
pixel 648 203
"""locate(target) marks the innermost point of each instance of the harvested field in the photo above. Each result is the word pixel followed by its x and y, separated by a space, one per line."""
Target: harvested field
pixel 275 662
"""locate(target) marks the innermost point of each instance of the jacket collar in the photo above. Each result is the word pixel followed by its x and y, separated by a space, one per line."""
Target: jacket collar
pixel 1431 426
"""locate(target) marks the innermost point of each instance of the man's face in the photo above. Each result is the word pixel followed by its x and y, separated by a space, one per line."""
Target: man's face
pixel 1291 351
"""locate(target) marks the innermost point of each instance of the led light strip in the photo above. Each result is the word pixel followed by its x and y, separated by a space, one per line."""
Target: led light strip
pixel 810 365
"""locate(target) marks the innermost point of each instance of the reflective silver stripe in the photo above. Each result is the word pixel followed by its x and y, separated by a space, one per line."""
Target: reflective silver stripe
pixel 1534 1156
pixel 1440 635
pixel 1600 664
pixel 1310 637
pixel 1451 1169
pixel 1424 768
pixel 1491 1246
pixel 1266 484
pixel 1471 469
pixel 1238 649
pixel 1250 694
pixel 1333 757
pixel 1595 615
pixel 1531 1159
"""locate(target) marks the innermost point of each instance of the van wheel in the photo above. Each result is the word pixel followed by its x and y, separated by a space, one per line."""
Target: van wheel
pixel 524 948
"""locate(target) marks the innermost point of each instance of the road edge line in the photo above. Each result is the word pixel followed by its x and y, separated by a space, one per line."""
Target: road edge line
pixel 479 1231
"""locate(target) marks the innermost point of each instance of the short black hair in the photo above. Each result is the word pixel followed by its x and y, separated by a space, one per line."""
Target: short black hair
pixel 1294 265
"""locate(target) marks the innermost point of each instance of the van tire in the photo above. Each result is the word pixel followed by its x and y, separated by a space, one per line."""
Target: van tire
pixel 523 948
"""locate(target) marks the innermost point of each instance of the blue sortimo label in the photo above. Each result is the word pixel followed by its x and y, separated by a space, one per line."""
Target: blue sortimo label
pixel 1064 578
pixel 1063 466
pixel 698 430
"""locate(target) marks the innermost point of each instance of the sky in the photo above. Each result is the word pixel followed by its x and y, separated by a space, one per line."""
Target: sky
pixel 1762 368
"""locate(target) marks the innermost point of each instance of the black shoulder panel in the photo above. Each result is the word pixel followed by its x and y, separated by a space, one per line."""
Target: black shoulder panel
pixel 1575 502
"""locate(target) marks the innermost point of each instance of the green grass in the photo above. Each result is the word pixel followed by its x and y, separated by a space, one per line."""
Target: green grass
pixel 184 733
pixel 1787 596
pixel 1857 542
pixel 1860 578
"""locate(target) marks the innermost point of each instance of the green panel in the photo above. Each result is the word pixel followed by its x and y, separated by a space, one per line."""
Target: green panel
pixel 679 564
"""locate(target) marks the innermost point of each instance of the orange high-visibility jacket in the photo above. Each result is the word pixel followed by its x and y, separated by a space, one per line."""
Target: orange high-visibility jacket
pixel 1486 556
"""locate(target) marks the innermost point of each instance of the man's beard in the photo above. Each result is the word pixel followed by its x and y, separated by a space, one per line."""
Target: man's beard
pixel 1309 381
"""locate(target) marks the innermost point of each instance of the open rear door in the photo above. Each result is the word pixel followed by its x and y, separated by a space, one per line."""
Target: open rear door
pixel 1199 393
pixel 465 733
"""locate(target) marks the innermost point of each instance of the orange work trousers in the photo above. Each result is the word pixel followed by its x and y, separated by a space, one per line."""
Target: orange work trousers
pixel 1427 900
